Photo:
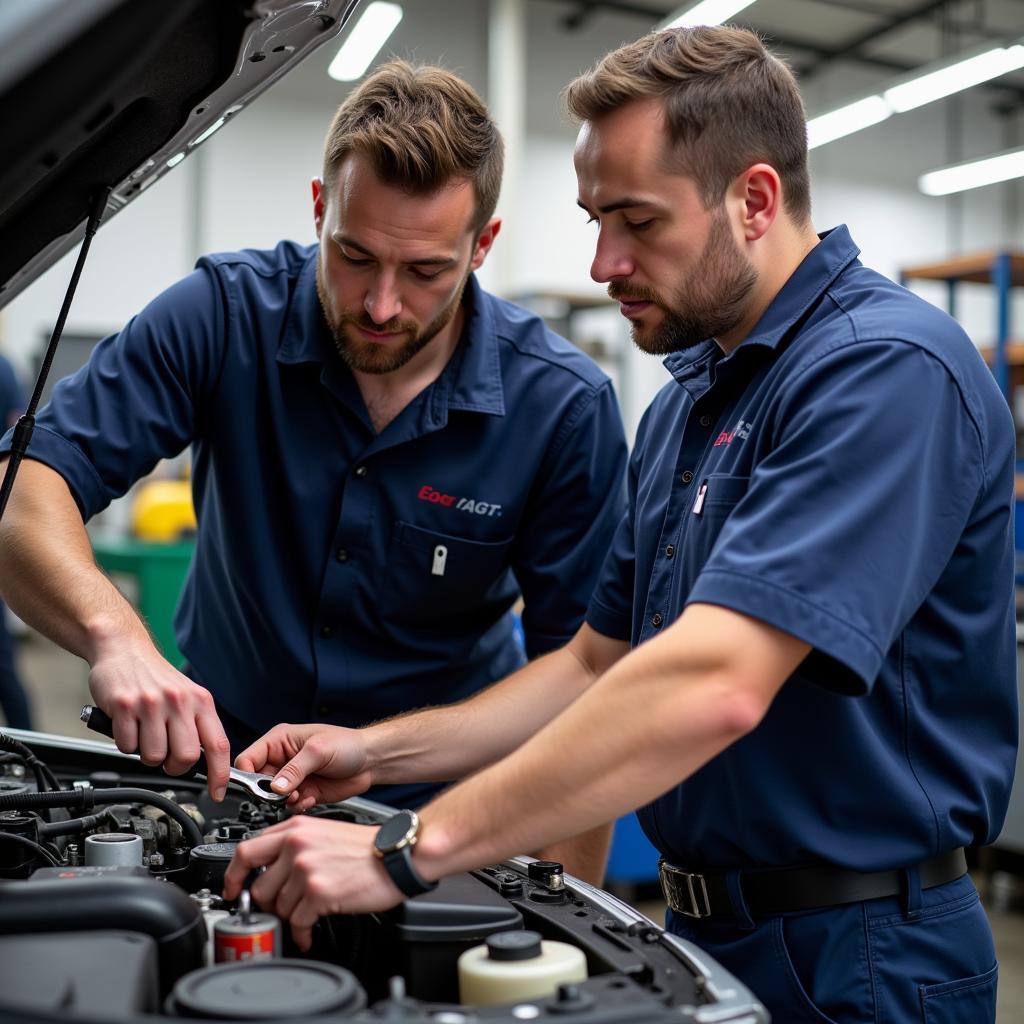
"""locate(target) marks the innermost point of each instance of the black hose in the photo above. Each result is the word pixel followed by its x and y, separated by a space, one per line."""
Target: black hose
pixel 44 777
pixel 74 826
pixel 36 848
pixel 86 799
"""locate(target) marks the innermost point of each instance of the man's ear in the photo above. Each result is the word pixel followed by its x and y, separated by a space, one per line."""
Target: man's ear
pixel 484 241
pixel 319 204
pixel 758 194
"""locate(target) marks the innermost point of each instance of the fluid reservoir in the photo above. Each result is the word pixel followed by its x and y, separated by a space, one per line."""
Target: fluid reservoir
pixel 513 966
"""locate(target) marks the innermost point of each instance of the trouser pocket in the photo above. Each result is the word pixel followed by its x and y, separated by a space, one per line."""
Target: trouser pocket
pixel 954 1002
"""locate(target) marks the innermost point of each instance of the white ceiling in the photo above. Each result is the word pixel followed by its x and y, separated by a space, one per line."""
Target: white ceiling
pixel 819 37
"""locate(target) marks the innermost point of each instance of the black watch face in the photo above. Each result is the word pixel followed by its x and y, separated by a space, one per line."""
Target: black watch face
pixel 393 831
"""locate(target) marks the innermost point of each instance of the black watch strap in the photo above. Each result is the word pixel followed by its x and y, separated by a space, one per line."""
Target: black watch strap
pixel 399 866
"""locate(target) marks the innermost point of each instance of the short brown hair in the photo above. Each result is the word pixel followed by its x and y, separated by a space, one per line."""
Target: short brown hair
pixel 728 103
pixel 421 128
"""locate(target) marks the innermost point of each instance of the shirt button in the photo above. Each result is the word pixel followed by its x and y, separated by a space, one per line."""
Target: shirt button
pixel 705 421
pixel 670 551
pixel 656 620
pixel 342 555
pixel 323 709
pixel 360 471
pixel 326 632
pixel 687 477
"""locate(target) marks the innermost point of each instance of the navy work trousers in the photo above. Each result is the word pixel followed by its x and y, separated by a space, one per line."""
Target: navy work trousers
pixel 926 958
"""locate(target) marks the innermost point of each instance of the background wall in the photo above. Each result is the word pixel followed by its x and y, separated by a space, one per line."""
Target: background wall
pixel 248 186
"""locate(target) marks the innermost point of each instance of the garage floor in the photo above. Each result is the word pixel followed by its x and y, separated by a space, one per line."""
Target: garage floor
pixel 58 687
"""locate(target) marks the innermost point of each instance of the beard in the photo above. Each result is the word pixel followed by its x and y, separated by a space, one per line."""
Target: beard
pixel 369 357
pixel 709 301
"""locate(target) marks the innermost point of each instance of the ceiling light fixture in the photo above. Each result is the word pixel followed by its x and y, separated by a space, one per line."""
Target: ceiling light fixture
pixel 365 40
pixel 846 120
pixel 973 174
pixel 708 12
pixel 932 82
pixel 963 74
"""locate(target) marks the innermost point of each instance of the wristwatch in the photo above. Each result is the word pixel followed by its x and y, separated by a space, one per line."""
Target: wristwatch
pixel 393 844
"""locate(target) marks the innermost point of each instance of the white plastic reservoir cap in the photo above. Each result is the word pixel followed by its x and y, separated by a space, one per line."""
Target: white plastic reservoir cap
pixel 513 966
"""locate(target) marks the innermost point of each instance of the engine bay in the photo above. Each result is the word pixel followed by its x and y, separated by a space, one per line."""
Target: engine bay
pixel 111 909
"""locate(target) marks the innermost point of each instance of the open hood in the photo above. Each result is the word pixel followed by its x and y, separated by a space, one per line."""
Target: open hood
pixel 111 94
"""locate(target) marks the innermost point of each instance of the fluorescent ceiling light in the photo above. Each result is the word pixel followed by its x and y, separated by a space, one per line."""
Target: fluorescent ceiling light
pixel 954 78
pixel 932 82
pixel 364 41
pixel 846 120
pixel 973 174
pixel 708 12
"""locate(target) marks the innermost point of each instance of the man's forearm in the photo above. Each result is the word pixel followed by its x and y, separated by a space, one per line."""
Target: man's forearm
pixel 49 575
pixel 440 744
pixel 650 722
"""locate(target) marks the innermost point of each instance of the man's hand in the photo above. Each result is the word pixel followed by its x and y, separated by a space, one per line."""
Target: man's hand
pixel 315 764
pixel 160 713
pixel 315 867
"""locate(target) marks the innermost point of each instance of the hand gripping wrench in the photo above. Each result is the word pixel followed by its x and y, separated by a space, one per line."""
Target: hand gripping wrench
pixel 255 783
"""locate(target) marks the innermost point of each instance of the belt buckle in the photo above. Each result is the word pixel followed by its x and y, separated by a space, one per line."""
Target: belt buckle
pixel 685 892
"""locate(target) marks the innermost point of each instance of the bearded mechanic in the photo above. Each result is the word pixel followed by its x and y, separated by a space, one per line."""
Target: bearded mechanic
pixel 815 574
pixel 384 458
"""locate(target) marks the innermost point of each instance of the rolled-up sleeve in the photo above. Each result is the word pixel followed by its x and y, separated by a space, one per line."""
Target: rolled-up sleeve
pixel 139 397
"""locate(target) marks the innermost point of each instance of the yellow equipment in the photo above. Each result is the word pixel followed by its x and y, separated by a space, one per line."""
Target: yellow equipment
pixel 163 512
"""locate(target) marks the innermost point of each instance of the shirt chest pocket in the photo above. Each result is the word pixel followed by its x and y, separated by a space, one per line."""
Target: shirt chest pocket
pixel 716 497
pixel 434 576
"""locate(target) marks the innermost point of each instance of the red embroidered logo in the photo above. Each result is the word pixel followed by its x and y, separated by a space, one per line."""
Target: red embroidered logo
pixel 741 430
pixel 479 508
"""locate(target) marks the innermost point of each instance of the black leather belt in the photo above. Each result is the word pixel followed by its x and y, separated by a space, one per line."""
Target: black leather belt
pixel 700 894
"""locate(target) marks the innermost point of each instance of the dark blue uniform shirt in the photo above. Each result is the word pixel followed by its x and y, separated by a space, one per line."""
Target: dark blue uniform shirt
pixel 845 475
pixel 339 574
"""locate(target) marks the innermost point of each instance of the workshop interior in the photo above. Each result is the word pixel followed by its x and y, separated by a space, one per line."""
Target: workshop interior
pixel 142 135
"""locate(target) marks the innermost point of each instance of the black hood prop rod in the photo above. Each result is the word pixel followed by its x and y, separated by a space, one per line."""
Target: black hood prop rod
pixel 26 425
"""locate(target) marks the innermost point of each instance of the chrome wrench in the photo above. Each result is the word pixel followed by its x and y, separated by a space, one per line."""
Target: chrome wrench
pixel 255 783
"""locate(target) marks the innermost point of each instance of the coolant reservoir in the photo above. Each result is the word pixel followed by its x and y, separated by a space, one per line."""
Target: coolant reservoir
pixel 513 966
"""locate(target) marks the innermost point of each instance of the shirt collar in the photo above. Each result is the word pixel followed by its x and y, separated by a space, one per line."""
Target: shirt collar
pixel 306 337
pixel 835 251
pixel 477 382
pixel 472 380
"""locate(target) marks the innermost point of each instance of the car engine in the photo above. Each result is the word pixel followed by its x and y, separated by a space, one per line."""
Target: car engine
pixel 111 909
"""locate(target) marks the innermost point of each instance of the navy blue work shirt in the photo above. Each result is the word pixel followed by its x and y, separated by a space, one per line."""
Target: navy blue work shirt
pixel 845 475
pixel 341 575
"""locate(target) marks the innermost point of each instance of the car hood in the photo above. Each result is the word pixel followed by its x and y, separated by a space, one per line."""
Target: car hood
pixel 112 94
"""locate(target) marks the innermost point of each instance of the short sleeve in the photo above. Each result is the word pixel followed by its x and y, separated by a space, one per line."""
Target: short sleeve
pixel 849 520
pixel 137 399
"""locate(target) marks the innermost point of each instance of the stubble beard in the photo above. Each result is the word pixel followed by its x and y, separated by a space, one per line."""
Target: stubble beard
pixel 367 357
pixel 709 302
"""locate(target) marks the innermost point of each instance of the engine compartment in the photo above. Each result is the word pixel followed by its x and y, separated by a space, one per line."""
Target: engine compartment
pixel 111 909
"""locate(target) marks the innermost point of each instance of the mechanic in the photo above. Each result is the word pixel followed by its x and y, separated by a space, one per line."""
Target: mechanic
pixel 384 457
pixel 13 700
pixel 815 574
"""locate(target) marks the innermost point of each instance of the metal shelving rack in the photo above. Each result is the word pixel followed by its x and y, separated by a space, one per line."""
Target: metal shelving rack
pixel 1002 270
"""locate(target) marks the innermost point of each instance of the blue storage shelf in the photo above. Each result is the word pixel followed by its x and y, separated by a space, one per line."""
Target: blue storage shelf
pixel 633 860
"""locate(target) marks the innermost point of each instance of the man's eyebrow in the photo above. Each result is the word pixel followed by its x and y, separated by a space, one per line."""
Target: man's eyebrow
pixel 624 203
pixel 426 261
